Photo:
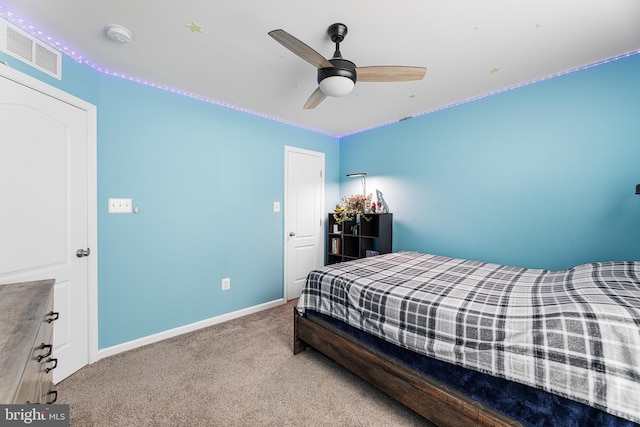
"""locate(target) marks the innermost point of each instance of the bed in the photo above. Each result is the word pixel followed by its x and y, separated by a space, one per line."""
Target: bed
pixel 465 342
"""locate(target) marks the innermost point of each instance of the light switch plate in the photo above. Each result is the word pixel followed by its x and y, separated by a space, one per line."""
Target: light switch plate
pixel 276 206
pixel 120 206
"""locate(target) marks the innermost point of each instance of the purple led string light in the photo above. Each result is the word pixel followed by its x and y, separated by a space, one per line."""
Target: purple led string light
pixel 78 58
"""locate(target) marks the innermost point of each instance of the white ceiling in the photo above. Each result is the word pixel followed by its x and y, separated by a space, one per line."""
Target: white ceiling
pixel 470 48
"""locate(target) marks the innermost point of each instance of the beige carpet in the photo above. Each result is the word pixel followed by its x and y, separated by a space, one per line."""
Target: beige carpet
pixel 238 373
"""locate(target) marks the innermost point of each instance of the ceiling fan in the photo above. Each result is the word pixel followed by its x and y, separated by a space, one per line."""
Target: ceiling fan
pixel 337 76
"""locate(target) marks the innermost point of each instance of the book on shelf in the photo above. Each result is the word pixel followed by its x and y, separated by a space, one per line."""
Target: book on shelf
pixel 336 245
pixel 370 252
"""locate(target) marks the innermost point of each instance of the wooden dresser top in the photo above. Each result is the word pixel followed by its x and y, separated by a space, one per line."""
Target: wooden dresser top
pixel 22 307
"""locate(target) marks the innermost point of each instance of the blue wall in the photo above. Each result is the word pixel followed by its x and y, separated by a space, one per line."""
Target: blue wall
pixel 540 176
pixel 205 178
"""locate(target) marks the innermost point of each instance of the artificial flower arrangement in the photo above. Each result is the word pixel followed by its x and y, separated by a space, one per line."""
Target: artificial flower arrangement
pixel 350 208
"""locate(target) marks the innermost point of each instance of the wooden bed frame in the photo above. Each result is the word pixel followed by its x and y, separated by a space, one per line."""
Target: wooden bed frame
pixel 428 397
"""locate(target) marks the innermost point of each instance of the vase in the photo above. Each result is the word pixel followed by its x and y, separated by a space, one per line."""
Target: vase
pixel 356 228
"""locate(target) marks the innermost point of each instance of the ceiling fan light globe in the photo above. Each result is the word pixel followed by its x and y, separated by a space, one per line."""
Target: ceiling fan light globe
pixel 336 86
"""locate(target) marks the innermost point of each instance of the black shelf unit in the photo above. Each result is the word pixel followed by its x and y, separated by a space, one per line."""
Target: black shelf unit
pixel 351 243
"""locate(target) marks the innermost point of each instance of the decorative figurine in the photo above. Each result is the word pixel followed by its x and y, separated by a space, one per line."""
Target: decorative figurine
pixel 382 205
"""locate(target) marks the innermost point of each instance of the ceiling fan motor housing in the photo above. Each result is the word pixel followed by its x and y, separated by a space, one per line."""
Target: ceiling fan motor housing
pixel 341 67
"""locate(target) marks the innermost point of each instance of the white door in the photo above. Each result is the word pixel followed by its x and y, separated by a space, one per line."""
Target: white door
pixel 303 217
pixel 44 214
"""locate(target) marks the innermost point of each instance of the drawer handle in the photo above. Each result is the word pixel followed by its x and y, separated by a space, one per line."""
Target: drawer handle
pixel 49 348
pixel 55 364
pixel 54 316
pixel 55 396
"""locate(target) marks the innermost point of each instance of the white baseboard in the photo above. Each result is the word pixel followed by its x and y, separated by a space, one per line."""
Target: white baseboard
pixel 150 339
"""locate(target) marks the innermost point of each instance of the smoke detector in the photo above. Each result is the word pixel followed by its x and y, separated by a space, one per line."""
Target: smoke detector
pixel 118 33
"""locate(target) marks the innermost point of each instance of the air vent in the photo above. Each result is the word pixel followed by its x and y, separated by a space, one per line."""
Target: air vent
pixel 27 48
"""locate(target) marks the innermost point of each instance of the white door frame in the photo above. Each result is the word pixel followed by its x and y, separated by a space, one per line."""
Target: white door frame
pixel 92 192
pixel 321 247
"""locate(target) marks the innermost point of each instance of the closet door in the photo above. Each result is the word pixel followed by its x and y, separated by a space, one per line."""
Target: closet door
pixel 304 217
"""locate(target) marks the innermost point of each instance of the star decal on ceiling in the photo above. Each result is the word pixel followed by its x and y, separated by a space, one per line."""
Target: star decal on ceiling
pixel 195 28
pixel 495 70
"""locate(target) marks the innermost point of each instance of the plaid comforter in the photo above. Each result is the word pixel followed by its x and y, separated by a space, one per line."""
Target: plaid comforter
pixel 574 332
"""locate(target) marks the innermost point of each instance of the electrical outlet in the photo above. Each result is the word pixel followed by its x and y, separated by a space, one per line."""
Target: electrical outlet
pixel 226 284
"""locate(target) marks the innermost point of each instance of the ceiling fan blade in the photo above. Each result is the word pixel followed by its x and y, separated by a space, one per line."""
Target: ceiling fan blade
pixel 300 49
pixel 390 73
pixel 316 98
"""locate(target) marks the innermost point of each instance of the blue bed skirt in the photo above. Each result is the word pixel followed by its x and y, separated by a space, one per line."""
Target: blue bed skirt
pixel 532 407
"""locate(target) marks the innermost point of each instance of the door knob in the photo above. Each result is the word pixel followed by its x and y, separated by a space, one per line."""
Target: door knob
pixel 291 234
pixel 83 252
